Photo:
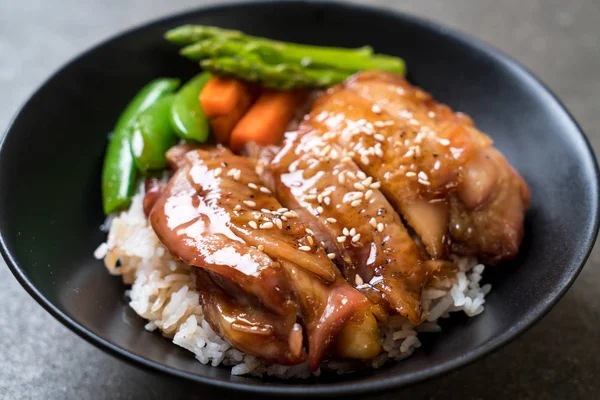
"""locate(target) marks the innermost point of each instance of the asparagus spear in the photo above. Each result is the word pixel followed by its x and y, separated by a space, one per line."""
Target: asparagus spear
pixel 280 76
pixel 278 54
pixel 188 34
pixel 225 43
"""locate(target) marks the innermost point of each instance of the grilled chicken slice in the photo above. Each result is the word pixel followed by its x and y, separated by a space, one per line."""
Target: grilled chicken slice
pixel 176 154
pixel 248 326
pixel 215 214
pixel 423 153
pixel 487 212
pixel 357 225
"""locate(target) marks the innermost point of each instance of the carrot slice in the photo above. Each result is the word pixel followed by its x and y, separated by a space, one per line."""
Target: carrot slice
pixel 266 121
pixel 225 101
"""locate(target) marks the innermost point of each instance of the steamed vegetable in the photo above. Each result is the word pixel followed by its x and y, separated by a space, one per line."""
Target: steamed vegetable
pixel 119 173
pixel 187 117
pixel 152 135
pixel 272 52
pixel 273 63
pixel 224 102
pixel 266 121
pixel 280 76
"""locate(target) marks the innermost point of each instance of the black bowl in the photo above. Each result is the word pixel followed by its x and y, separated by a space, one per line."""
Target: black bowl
pixel 50 183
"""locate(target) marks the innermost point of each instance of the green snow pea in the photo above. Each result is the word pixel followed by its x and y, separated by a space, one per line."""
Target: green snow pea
pixel 187 117
pixel 152 135
pixel 118 172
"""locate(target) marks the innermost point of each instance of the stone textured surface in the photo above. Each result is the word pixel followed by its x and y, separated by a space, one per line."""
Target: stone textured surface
pixel 558 358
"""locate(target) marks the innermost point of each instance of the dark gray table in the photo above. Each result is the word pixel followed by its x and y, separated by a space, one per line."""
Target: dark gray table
pixel 558 358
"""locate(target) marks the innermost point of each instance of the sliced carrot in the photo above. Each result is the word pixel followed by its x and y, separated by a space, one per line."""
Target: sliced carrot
pixel 266 121
pixel 225 101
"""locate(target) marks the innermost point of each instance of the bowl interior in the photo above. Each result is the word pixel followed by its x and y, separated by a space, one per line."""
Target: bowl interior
pixel 51 158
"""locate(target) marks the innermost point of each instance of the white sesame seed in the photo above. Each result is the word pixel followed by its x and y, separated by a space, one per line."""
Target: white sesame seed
pixel 350 174
pixel 290 214
pixel 376 109
pixel 266 225
pixel 345 231
pixel 410 174
pixel 331 256
pixel 436 165
pixel 361 175
pixel 356 238
pixel 331 220
pixel 252 185
pixel 253 224
pixel 368 181
pixel 309 231
pixel 310 240
pixel 373 222
pixel 425 183
pixel 359 281
pixel 341 178
pixel 379 137
pixel 375 185
pixel 444 142
pixel 368 194
pixel 282 210
pixel 320 210
pixel 278 223
pixel 345 159
pixel 352 232
pixel 259 169
pixel 283 218
pixel 356 203
pixel 237 208
pixel 418 150
pixel 304 248
pixel 341 239
pixel 359 186
pixel 380 227
pixel 217 172
pixel 419 137
pixel 266 211
pixel 310 197
pixel 327 200
pixel 261 247
pixel 237 175
pixel 265 190
pixel 249 203
pixel 422 176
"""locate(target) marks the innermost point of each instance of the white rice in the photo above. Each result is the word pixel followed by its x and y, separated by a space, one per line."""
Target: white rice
pixel 163 293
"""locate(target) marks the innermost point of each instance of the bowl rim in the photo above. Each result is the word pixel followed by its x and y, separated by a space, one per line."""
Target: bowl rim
pixel 346 387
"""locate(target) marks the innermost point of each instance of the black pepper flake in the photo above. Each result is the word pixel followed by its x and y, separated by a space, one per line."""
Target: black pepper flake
pixel 383 243
pixel 223 164
pixel 288 227
pixel 251 196
pixel 435 155
pixel 387 261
